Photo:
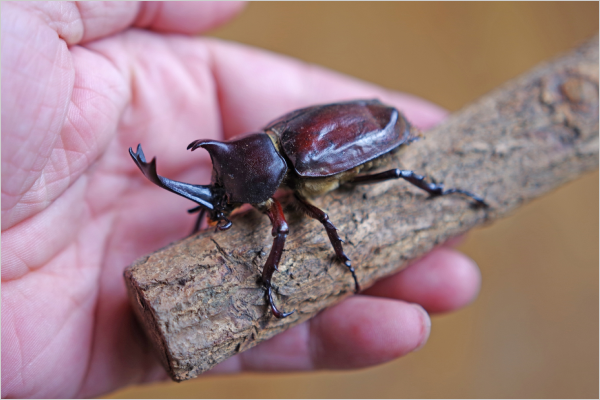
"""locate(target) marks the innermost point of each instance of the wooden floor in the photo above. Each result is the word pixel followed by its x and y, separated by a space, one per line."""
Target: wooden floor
pixel 533 331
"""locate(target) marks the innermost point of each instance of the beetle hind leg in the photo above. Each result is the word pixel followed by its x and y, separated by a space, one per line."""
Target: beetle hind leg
pixel 434 189
pixel 280 232
pixel 331 230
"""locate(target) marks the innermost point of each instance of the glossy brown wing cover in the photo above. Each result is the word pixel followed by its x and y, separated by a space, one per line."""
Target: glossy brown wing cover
pixel 329 139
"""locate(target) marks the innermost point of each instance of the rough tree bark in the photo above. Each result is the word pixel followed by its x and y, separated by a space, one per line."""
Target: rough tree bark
pixel 200 300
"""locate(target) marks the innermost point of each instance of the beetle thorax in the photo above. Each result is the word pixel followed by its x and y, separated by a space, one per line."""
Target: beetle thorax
pixel 249 169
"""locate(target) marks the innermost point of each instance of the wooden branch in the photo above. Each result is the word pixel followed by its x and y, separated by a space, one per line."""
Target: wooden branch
pixel 200 300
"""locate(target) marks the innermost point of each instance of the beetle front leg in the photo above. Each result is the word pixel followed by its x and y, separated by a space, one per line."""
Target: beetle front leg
pixel 433 189
pixel 279 232
pixel 202 211
pixel 331 230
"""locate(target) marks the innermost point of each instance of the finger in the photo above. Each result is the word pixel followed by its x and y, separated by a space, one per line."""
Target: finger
pixel 442 281
pixel 361 332
pixel 357 333
pixel 186 17
pixel 82 22
pixel 270 85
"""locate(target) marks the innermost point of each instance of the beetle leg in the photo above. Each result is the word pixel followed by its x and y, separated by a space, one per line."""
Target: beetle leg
pixel 279 232
pixel 434 189
pixel 223 224
pixel 199 220
pixel 331 230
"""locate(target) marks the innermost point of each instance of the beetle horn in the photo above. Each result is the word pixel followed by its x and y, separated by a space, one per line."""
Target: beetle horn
pixel 210 145
pixel 220 152
pixel 201 194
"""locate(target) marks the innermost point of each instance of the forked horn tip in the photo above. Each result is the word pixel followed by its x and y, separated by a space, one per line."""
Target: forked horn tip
pixel 194 145
pixel 138 154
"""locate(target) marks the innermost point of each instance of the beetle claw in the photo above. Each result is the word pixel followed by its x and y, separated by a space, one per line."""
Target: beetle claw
pixel 351 269
pixel 274 309
pixel 224 227
pixel 479 202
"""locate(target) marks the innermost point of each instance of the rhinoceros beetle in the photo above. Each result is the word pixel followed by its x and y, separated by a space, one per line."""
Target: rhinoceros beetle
pixel 311 151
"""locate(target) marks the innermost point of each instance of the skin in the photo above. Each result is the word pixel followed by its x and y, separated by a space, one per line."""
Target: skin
pixel 81 84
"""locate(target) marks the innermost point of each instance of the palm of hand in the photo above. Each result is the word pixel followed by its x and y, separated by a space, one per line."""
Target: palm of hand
pixel 76 211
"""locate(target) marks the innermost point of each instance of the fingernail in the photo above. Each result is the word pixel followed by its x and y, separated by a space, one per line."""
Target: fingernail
pixel 425 326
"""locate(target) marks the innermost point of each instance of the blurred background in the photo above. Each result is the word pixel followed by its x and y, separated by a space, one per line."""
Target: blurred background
pixel 533 331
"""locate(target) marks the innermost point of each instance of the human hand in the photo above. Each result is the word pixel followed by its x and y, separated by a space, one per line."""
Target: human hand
pixel 81 84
